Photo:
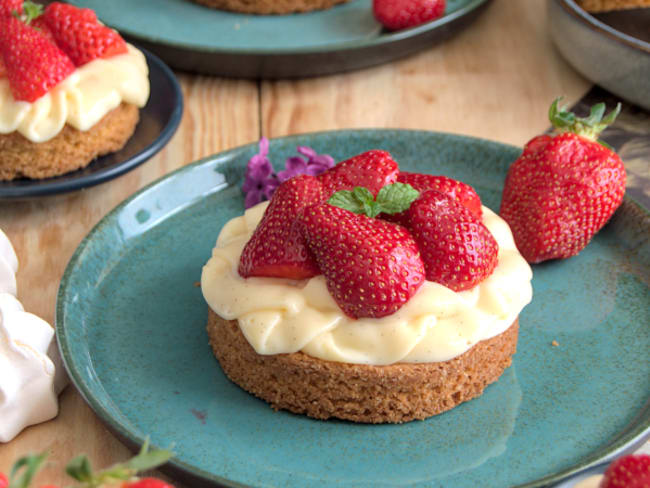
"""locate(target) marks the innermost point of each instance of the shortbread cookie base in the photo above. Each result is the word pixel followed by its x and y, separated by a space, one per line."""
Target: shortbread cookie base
pixel 607 5
pixel 358 392
pixel 70 150
pixel 270 6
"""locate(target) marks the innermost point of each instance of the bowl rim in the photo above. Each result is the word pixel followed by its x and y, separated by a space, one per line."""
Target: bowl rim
pixel 581 15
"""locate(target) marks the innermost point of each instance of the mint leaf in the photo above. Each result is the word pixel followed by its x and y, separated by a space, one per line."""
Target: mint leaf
pixel 396 197
pixel 32 464
pixel 346 199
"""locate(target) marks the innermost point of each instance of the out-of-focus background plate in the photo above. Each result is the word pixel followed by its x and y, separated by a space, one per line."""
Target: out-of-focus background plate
pixel 611 49
pixel 131 325
pixel 159 120
pixel 195 38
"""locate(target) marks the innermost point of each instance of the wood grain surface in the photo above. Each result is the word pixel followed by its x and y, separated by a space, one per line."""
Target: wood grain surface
pixel 494 80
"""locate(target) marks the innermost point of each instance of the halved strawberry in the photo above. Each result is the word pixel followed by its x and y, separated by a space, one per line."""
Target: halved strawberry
pixel 458 251
pixel 33 64
pixel 459 191
pixel 79 34
pixel 276 248
pixel 372 268
pixel 372 170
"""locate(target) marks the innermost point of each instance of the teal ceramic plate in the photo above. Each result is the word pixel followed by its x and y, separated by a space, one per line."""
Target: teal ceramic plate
pixel 191 37
pixel 130 323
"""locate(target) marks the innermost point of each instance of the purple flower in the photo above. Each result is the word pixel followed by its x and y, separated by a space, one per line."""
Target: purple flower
pixel 259 180
pixel 313 166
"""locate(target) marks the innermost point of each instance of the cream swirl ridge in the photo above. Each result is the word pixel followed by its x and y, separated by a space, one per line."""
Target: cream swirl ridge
pixel 282 316
pixel 81 100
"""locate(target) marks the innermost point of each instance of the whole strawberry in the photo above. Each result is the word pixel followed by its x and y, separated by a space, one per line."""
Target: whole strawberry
pixel 401 14
pixel 632 471
pixel 564 187
pixel 372 267
pixel 459 191
pixel 32 63
pixel 11 7
pixel 372 170
pixel 276 248
pixel 79 34
pixel 458 251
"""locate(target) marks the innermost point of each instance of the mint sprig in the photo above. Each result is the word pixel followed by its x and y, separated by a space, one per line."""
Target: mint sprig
pixel 391 199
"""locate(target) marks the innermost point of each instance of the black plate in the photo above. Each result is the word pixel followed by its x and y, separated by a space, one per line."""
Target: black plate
pixel 159 120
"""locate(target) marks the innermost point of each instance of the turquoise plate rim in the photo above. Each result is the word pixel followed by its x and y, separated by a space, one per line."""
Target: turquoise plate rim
pixel 626 440
pixel 384 39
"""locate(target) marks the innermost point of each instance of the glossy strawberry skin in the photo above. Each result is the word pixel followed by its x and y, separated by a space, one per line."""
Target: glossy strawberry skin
pixel 8 7
pixel 459 191
pixel 4 481
pixel 80 35
pixel 33 64
pixel 632 471
pixel 147 483
pixel 402 14
pixel 559 193
pixel 276 248
pixel 372 170
pixel 372 267
pixel 458 251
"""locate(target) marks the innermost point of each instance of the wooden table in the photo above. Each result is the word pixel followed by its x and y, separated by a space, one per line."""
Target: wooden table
pixel 494 80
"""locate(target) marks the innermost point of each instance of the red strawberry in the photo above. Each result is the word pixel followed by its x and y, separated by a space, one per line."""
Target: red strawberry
pixel 563 188
pixel 459 191
pixel 632 471
pixel 458 251
pixel 9 7
pixel 80 35
pixel 372 267
pixel 4 482
pixel 372 169
pixel 33 64
pixel 401 14
pixel 147 483
pixel 3 70
pixel 276 248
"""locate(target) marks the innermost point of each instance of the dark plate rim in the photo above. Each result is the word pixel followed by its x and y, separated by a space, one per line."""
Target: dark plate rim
pixel 105 174
pixel 384 39
pixel 571 7
pixel 627 440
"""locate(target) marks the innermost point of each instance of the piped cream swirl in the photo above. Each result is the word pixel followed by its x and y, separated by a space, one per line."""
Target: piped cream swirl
pixel 437 324
pixel 81 100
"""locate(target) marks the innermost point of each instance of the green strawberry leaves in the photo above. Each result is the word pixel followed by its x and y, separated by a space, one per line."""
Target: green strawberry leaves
pixel 589 127
pixel 32 464
pixel 391 199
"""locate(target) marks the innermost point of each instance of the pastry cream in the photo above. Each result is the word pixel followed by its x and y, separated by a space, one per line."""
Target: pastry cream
pixel 436 324
pixel 81 100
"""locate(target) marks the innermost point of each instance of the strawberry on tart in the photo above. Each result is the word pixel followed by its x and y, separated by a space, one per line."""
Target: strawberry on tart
pixel 70 89
pixel 366 294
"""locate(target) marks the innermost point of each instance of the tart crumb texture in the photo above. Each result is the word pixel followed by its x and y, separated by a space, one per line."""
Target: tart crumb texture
pixel 607 5
pixel 70 150
pixel 270 6
pixel 363 393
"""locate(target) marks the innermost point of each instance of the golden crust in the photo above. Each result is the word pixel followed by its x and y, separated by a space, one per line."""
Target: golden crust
pixel 607 5
pixel 358 392
pixel 70 150
pixel 270 6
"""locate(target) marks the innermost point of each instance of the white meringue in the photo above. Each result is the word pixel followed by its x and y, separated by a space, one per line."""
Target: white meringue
pixel 31 374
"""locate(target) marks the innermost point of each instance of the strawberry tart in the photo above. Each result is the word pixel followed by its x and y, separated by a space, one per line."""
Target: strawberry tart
pixel 270 6
pixel 366 294
pixel 70 89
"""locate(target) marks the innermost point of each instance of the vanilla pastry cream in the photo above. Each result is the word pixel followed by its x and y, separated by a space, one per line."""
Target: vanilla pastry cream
pixel 437 324
pixel 81 100
pixel 31 373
